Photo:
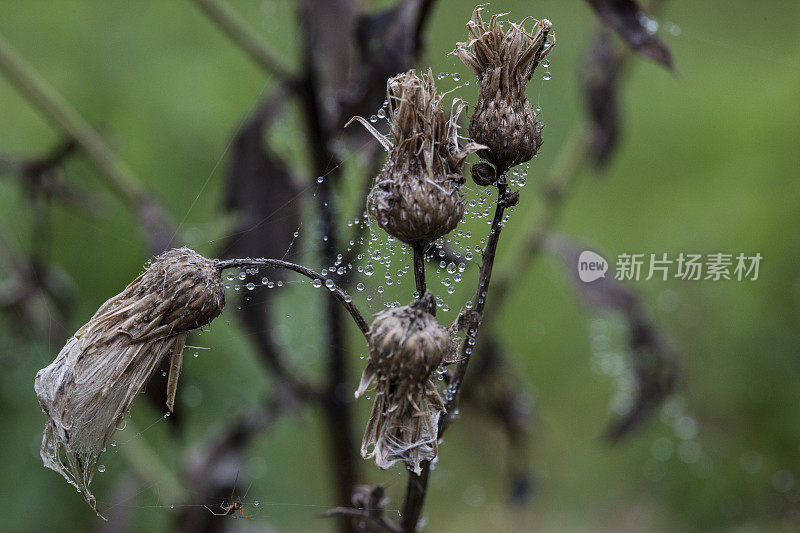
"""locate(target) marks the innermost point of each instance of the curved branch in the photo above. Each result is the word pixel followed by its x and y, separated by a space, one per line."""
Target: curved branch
pixel 337 291
pixel 236 29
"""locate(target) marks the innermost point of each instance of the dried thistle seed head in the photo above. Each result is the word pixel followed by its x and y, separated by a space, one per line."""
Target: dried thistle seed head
pixel 417 196
pixel 483 173
pixel 504 62
pixel 94 380
pixel 406 345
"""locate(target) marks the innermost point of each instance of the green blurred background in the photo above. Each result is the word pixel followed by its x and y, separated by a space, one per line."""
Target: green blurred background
pixel 708 162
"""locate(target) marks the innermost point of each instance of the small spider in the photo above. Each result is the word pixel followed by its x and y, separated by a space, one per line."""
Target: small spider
pixel 234 508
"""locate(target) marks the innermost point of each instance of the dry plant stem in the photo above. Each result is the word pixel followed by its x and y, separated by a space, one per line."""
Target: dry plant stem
pixel 45 98
pixel 335 406
pixel 479 301
pixel 337 291
pixel 149 465
pixel 232 24
pixel 419 269
pixel 563 178
pixel 417 485
pixel 154 222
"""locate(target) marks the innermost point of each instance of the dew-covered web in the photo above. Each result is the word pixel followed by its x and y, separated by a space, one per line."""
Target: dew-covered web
pixel 379 274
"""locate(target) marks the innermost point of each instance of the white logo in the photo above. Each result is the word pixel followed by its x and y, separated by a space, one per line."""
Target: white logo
pixel 591 266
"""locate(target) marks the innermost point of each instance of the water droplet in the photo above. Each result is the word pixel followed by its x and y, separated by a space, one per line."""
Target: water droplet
pixel 316 283
pixel 330 284
pixel 545 63
pixel 547 76
pixel 456 76
pixel 373 118
pixel 360 287
pixel 251 286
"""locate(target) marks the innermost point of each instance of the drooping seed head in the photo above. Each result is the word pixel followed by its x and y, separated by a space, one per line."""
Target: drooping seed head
pixel 406 345
pixel 503 61
pixel 92 384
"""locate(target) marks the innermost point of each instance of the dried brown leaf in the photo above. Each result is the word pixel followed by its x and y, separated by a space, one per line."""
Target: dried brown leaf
pixel 625 17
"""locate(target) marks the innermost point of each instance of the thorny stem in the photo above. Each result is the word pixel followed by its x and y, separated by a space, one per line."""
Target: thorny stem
pixel 417 485
pixel 336 291
pixel 227 19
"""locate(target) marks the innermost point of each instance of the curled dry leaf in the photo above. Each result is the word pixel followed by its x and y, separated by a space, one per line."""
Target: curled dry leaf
pixel 92 384
pixel 599 76
pixel 626 18
pixel 654 360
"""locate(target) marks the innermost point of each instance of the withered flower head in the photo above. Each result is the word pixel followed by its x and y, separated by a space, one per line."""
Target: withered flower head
pixel 94 380
pixel 417 196
pixel 406 345
pixel 504 62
